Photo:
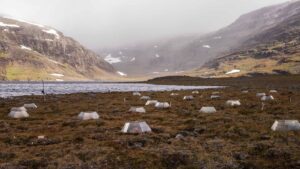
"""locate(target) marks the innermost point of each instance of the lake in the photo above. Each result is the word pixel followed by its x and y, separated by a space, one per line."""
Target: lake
pixel 8 89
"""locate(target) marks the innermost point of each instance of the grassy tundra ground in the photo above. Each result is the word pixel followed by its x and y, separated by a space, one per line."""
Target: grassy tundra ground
pixel 231 138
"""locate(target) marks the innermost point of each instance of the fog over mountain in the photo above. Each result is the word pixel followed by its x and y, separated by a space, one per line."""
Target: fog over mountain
pixel 111 23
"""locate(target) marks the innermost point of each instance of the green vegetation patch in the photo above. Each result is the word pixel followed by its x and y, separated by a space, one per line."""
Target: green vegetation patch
pixel 19 72
pixel 3 54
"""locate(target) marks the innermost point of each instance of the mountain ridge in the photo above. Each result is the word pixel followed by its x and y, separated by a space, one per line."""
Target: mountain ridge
pixel 185 53
pixel 272 51
pixel 43 52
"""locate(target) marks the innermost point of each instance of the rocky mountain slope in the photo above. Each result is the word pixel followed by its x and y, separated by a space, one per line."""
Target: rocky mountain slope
pixel 31 51
pixel 272 51
pixel 185 53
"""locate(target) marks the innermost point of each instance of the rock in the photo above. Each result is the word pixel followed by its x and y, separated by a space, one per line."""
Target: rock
pixel 240 155
pixel 179 136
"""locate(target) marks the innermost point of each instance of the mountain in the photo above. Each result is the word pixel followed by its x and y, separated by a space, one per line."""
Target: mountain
pixel 275 50
pixel 184 53
pixel 30 51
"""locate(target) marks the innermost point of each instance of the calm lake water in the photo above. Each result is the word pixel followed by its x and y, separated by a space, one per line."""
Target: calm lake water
pixel 8 89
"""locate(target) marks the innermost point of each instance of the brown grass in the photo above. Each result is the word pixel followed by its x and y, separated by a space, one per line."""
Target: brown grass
pixel 237 137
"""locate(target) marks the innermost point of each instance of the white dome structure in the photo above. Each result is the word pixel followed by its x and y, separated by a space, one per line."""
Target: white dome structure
pixel 188 98
pixel 136 127
pixel 286 125
pixel 88 116
pixel 162 105
pixel 208 110
pixel 260 94
pixel 137 110
pixel 195 92
pixel 267 98
pixel 233 103
pixel 18 112
pixel 215 93
pixel 215 96
pixel 145 98
pixel 136 94
pixel 30 106
pixel 174 94
pixel 151 102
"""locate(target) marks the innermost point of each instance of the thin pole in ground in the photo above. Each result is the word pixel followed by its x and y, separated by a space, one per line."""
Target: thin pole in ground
pixel 43 91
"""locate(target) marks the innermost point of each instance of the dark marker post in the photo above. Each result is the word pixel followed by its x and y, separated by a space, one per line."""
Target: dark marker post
pixel 43 91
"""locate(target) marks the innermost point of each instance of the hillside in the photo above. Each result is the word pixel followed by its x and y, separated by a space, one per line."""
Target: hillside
pixel 184 53
pixel 31 51
pixel 273 51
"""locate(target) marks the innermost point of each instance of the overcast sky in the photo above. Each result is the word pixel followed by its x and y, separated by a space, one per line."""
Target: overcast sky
pixel 106 23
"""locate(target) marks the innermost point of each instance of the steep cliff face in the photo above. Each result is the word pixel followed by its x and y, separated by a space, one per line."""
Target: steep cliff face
pixel 30 51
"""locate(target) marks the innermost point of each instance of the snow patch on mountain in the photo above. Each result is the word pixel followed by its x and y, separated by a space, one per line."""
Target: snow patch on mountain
pixel 31 23
pixel 133 59
pixel 25 47
pixel 111 59
pixel 179 72
pixel 24 21
pixel 50 40
pixel 121 73
pixel 218 37
pixel 35 24
pixel 53 61
pixel 57 75
pixel 206 46
pixel 52 32
pixel 8 25
pixel 233 71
